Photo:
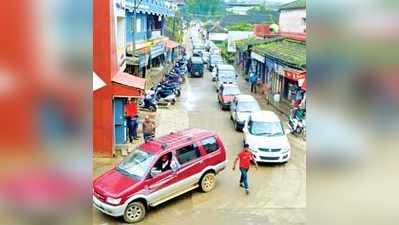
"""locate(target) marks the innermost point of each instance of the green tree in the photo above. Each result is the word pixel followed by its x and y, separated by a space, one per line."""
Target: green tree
pixel 204 8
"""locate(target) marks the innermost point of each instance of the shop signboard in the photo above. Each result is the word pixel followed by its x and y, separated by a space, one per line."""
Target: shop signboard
pixel 294 74
pixel 157 51
pixel 258 57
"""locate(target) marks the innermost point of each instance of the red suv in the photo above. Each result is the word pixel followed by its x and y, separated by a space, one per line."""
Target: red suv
pixel 160 170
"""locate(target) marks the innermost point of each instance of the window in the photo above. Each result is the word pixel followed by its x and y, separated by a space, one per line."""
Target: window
pixel 210 144
pixel 187 154
pixel 163 163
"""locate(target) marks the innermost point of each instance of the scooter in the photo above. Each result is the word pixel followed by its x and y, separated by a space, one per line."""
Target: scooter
pixel 164 97
pixel 148 102
pixel 296 122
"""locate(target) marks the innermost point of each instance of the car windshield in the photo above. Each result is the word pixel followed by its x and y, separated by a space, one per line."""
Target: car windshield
pixel 136 163
pixel 226 78
pixel 265 128
pixel 247 106
pixel 231 91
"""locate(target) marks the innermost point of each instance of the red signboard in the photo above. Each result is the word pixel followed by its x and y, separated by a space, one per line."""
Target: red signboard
pixel 294 75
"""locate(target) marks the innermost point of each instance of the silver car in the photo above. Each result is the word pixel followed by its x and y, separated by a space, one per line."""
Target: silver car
pixel 240 108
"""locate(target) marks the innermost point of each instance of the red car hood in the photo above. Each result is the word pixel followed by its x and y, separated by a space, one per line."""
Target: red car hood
pixel 114 184
pixel 227 98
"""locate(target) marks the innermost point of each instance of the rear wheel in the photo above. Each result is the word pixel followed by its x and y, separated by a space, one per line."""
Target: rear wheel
pixel 135 212
pixel 208 182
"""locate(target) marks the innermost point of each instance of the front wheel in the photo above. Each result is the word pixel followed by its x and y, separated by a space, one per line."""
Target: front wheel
pixel 208 182
pixel 135 212
pixel 153 108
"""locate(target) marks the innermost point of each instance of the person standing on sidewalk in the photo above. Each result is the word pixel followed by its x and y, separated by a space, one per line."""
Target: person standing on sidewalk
pixel 148 129
pixel 253 80
pixel 245 157
pixel 131 119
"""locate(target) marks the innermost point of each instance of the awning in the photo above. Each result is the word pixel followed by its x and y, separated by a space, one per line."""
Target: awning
pixel 171 44
pixel 97 82
pixel 129 80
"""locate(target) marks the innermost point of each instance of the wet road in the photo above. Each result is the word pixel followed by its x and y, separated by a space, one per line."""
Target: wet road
pixel 277 191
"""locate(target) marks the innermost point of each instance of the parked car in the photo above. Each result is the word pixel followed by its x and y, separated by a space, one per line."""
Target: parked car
pixel 226 95
pixel 213 74
pixel 240 109
pixel 205 57
pixel 267 139
pixel 158 171
pixel 214 60
pixel 197 67
pixel 225 74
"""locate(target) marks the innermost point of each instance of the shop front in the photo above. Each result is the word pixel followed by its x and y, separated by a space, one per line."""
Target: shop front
pixel 293 82
pixel 157 55
pixel 171 50
pixel 258 66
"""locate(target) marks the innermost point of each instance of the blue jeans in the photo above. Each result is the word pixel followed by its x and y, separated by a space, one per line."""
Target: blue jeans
pixel 132 125
pixel 244 177
pixel 147 136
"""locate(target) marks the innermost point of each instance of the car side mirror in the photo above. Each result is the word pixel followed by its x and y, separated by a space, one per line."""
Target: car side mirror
pixel 155 172
pixel 174 166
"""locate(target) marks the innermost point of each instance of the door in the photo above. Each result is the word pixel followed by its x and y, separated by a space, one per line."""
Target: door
pixel 119 121
pixel 233 108
pixel 161 185
pixel 191 164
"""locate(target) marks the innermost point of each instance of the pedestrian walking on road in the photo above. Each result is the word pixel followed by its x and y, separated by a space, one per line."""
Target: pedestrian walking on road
pixel 148 129
pixel 253 80
pixel 131 119
pixel 245 157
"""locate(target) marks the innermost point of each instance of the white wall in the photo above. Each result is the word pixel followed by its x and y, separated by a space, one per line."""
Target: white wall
pixel 217 36
pixel 292 21
pixel 235 36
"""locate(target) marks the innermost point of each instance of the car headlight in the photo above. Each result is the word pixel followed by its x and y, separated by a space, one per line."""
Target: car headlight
pixel 285 150
pixel 114 201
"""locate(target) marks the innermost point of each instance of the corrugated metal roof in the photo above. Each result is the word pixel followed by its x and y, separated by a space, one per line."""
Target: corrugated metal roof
pixel 129 80
pixel 171 44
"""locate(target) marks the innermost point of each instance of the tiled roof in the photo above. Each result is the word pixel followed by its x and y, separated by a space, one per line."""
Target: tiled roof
pixel 288 51
pixel 298 4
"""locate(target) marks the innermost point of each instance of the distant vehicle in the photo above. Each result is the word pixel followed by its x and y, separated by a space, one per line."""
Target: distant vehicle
pixel 158 171
pixel 225 74
pixel 197 67
pixel 240 109
pixel 214 60
pixel 226 95
pixel 267 139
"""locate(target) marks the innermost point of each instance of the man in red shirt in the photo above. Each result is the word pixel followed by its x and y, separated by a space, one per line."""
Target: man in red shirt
pixel 131 119
pixel 245 157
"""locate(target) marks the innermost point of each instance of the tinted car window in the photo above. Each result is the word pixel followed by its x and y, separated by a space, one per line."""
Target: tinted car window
pixel 210 144
pixel 187 154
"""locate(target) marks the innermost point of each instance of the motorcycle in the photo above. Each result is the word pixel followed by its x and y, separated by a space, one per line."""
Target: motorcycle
pixel 296 122
pixel 148 102
pixel 164 96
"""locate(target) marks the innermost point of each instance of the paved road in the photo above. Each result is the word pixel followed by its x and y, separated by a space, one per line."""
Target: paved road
pixel 277 191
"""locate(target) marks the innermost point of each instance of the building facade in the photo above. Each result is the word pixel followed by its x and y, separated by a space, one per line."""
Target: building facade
pixel 112 59
pixel 149 37
pixel 292 20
